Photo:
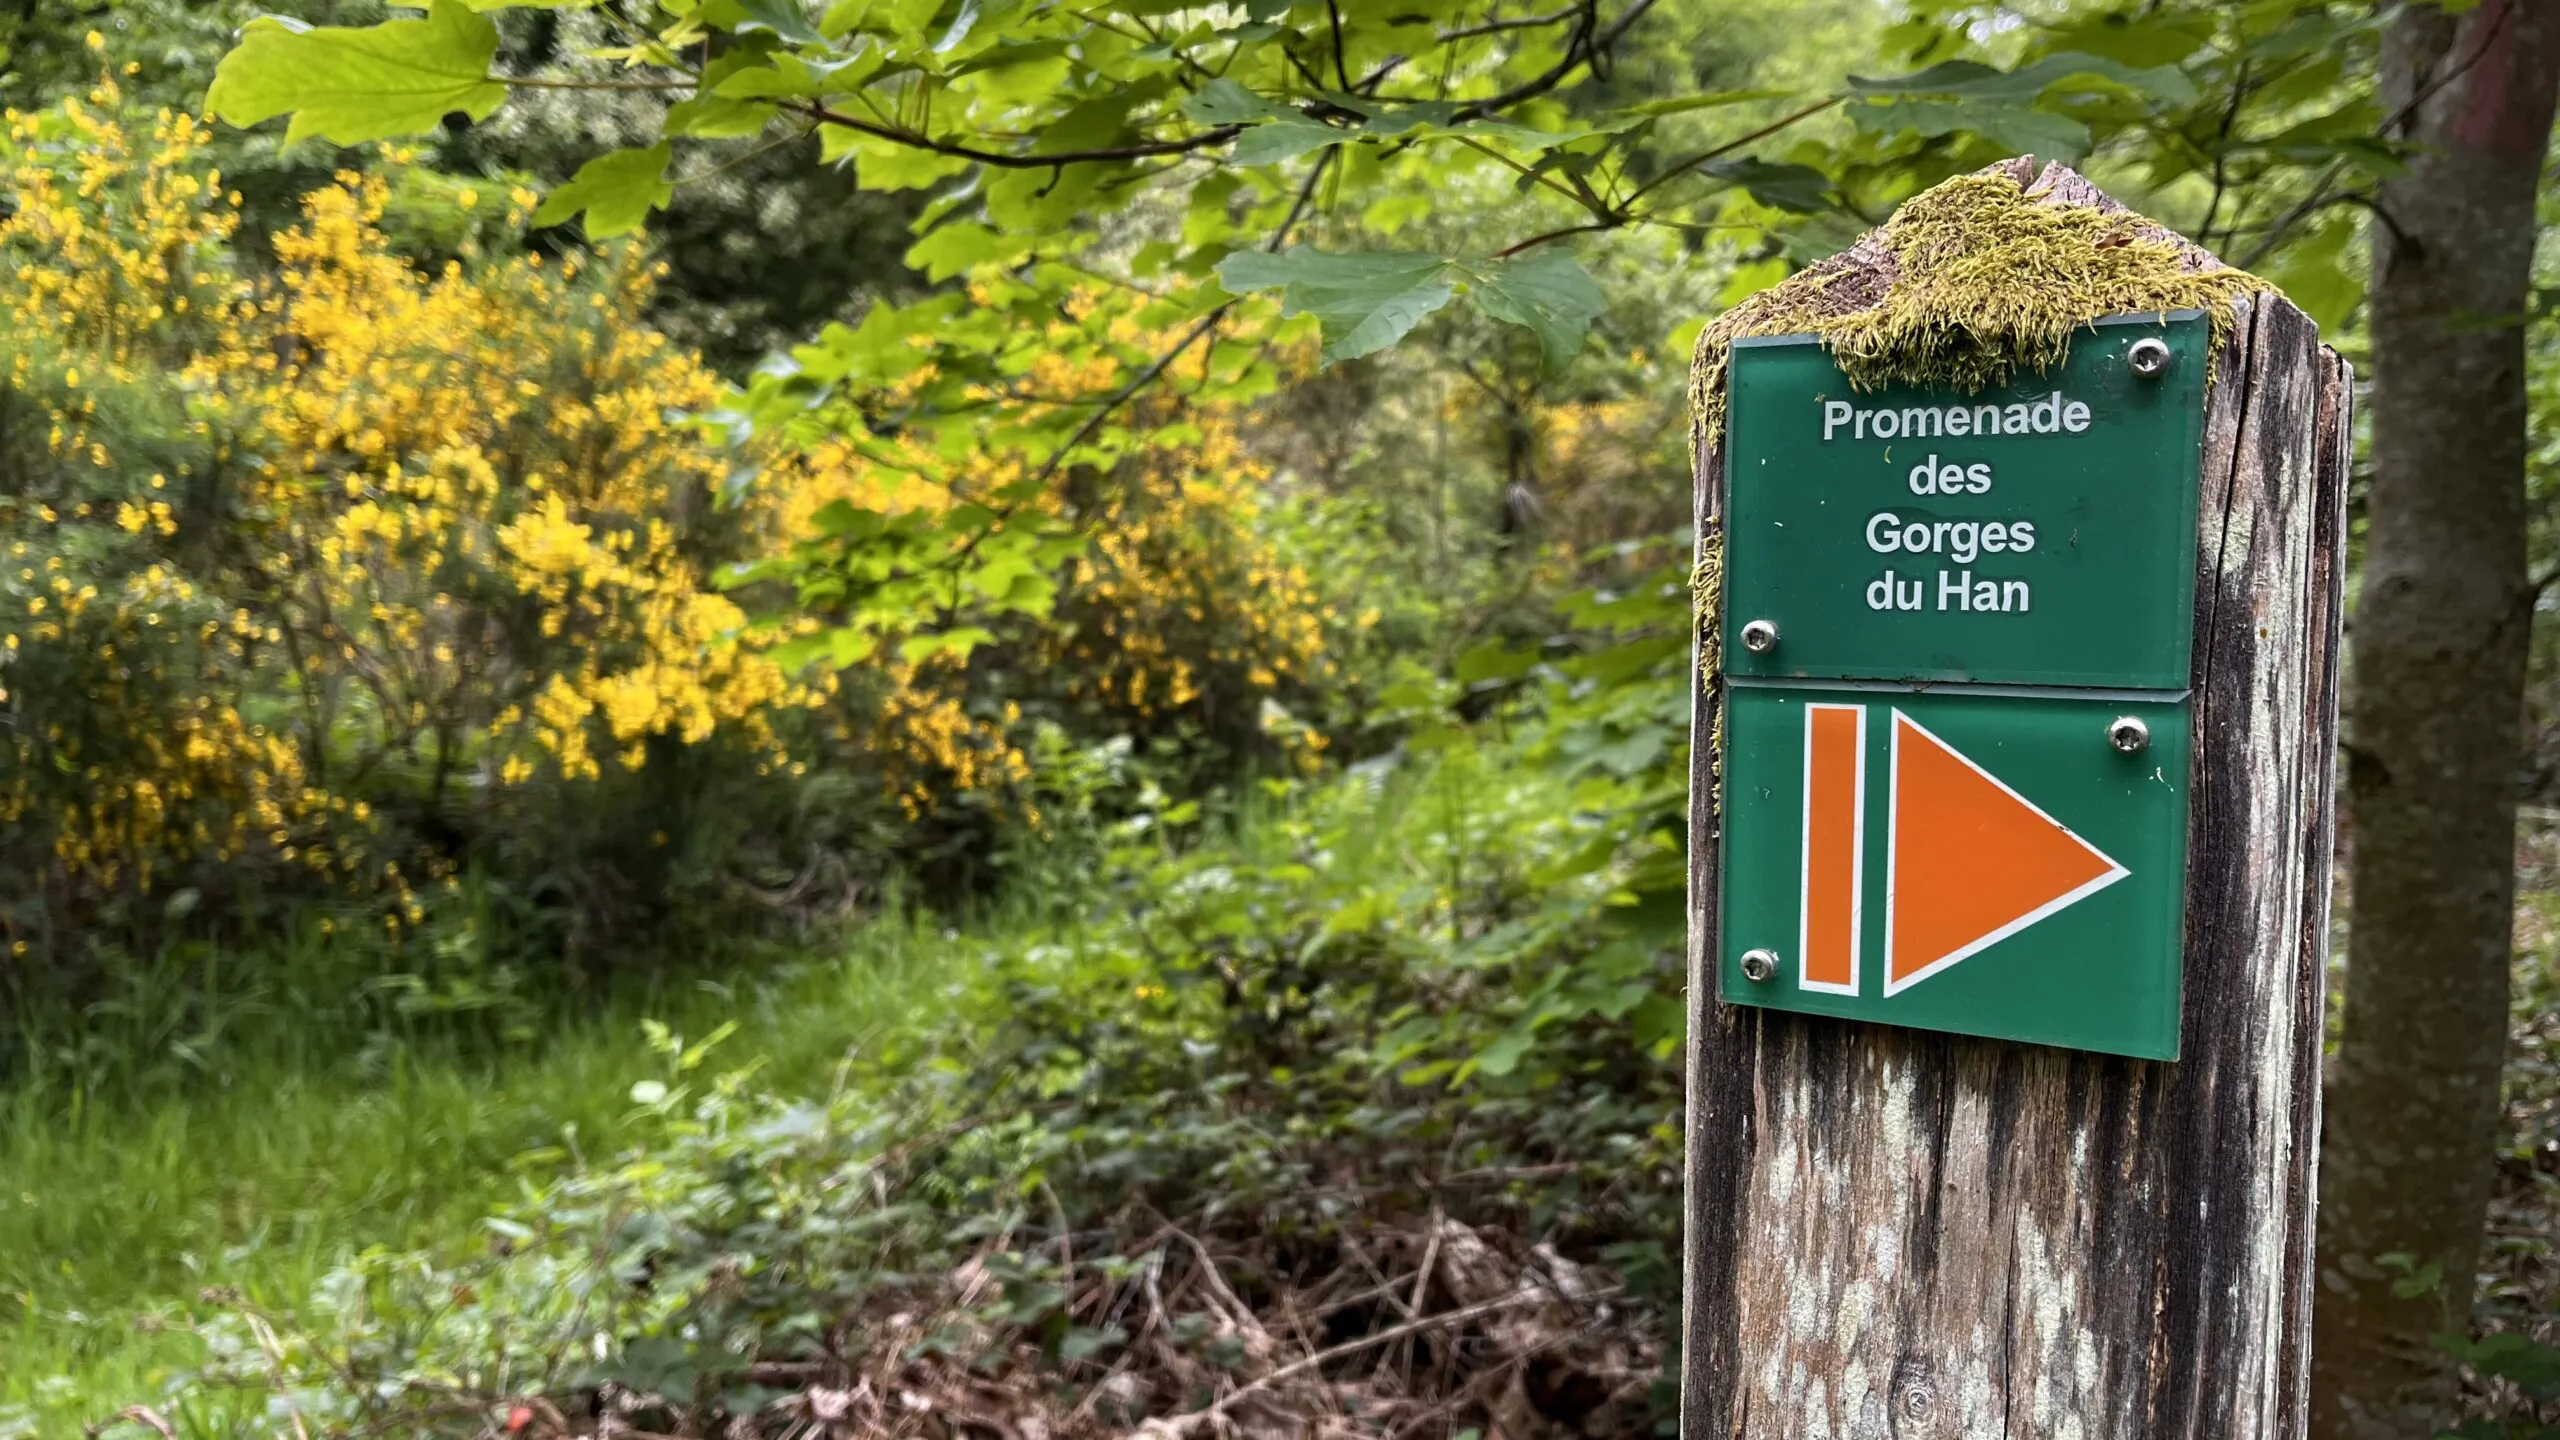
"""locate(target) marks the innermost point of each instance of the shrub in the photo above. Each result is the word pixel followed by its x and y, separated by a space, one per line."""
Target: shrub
pixel 315 573
pixel 1413 1035
pixel 335 575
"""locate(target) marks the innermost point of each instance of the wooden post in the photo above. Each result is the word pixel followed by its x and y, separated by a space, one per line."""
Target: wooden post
pixel 1898 1233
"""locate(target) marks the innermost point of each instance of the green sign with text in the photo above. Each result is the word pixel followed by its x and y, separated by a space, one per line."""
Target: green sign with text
pixel 1957 632
pixel 2041 534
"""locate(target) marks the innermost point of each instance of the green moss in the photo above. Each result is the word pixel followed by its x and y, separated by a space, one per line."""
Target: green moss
pixel 1972 282
pixel 1706 593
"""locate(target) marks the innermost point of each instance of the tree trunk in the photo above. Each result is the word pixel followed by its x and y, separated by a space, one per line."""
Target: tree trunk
pixel 2439 661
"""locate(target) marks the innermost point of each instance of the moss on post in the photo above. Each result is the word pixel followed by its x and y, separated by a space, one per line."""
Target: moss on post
pixel 1971 282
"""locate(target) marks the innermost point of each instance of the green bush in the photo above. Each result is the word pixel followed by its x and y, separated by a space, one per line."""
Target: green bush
pixel 1439 990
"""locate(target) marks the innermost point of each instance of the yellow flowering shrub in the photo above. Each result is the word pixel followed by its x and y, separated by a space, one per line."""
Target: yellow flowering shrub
pixel 284 548
pixel 1185 612
pixel 326 567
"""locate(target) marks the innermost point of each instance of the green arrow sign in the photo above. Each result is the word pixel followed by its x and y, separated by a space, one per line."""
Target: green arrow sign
pixel 1989 864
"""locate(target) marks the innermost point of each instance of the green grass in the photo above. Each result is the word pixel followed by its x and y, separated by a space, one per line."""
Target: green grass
pixel 287 1151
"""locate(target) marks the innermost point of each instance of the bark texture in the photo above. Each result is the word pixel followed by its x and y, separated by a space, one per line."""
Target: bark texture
pixel 2441 630
pixel 1893 1233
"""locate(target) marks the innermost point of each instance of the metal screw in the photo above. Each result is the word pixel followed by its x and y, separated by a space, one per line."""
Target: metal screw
pixel 2128 734
pixel 1917 1401
pixel 1759 966
pixel 2149 357
pixel 1760 636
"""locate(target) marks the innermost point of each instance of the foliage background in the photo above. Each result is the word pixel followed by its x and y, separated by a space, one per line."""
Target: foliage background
pixel 671 759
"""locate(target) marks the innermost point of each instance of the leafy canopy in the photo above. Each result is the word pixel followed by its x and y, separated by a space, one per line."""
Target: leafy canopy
pixel 1156 168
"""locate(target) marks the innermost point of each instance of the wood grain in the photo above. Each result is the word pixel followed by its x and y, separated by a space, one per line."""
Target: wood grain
pixel 1900 1234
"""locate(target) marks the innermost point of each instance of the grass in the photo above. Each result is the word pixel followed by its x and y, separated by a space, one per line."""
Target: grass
pixel 279 1159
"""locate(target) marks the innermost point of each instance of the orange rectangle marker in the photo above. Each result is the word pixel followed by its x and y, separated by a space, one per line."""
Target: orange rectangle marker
pixel 1835 803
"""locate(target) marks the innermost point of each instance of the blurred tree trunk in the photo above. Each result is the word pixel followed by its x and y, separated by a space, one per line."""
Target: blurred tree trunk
pixel 2439 662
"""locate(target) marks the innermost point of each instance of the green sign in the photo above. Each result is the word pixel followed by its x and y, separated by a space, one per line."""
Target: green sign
pixel 2042 534
pixel 1957 632
pixel 1993 865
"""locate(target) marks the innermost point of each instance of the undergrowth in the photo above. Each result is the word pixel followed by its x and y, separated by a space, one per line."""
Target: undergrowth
pixel 1349 1106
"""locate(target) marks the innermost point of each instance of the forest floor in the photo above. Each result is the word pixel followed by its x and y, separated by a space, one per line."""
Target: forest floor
pixel 114 1214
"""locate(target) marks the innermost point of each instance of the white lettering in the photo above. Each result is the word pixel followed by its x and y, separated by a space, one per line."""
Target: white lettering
pixel 2048 414
pixel 1967 535
pixel 1882 538
pixel 1888 593
pixel 1958 583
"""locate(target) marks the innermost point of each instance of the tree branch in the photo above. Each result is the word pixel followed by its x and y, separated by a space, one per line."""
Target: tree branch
pixel 1728 147
pixel 1611 223
pixel 1586 48
pixel 1525 22
pixel 1009 160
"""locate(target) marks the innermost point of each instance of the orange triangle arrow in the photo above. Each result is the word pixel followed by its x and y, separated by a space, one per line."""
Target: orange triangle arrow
pixel 1971 861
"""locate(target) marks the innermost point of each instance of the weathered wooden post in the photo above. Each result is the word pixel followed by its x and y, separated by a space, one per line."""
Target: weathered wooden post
pixel 2009 880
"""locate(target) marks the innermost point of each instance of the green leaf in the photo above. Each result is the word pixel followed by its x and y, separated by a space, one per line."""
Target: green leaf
pixel 1545 290
pixel 1365 301
pixel 2160 37
pixel 2013 127
pixel 1279 140
pixel 2314 273
pixel 711 115
pixel 1493 660
pixel 959 246
pixel 886 164
pixel 1224 102
pixel 1706 100
pixel 1083 1343
pixel 1973 80
pixel 958 642
pixel 786 76
pixel 351 85
pixel 1799 188
pixel 617 190
pixel 783 19
pixel 717 117
pixel 1525 136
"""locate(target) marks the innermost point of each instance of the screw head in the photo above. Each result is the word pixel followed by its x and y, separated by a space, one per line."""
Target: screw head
pixel 1759 966
pixel 2128 735
pixel 1918 1401
pixel 1760 636
pixel 2149 356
